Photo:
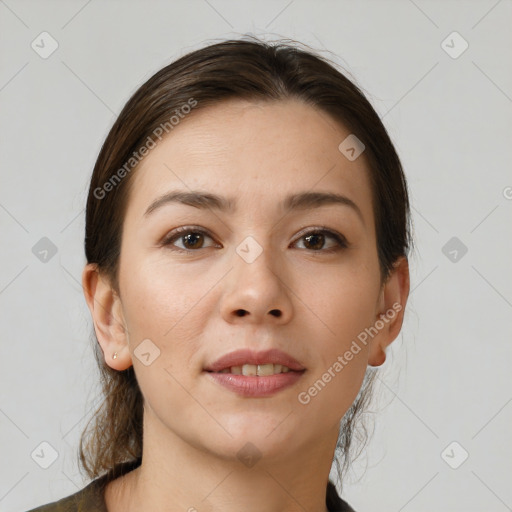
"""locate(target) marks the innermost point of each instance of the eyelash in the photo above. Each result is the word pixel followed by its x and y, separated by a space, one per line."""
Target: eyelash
pixel 320 230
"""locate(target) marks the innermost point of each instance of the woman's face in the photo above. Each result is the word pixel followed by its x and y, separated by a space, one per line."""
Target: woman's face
pixel 248 276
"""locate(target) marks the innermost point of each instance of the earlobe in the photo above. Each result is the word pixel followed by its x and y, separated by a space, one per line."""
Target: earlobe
pixel 108 318
pixel 390 311
pixel 377 359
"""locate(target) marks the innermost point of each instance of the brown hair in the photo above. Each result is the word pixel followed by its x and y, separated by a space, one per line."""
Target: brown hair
pixel 243 69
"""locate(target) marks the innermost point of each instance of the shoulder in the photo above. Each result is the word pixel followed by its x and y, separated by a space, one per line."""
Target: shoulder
pixel 92 497
pixel 88 499
pixel 334 502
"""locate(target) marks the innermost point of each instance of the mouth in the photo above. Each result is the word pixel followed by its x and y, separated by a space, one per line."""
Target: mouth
pixel 259 370
pixel 254 386
pixel 250 363
pixel 255 374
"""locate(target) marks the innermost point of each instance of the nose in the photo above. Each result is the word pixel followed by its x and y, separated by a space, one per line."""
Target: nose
pixel 257 292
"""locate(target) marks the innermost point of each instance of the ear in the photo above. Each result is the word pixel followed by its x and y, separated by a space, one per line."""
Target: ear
pixel 390 311
pixel 107 313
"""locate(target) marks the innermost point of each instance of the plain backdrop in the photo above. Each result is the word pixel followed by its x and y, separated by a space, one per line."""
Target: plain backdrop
pixel 437 72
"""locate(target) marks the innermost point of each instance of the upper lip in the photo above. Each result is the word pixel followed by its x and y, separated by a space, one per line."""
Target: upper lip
pixel 246 356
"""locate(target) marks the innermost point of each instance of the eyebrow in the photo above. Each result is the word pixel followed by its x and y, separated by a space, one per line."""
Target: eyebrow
pixel 206 200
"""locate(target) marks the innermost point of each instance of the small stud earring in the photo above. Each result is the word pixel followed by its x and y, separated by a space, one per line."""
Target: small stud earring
pixel 114 356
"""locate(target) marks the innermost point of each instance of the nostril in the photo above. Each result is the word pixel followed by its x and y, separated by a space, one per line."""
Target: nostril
pixel 241 312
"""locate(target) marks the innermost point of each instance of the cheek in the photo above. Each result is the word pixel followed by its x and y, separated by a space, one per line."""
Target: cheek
pixel 345 303
pixel 163 305
pixel 166 305
pixel 341 360
pixel 154 296
pixel 342 302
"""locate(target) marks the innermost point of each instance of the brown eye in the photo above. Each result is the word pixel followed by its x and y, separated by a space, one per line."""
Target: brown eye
pixel 191 239
pixel 315 240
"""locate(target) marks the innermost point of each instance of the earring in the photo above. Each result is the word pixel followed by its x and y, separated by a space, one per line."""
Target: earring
pixel 114 356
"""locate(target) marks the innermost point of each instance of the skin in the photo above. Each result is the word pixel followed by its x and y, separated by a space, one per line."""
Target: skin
pixel 186 303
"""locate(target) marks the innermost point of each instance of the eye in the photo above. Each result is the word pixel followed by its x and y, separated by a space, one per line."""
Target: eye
pixel 192 238
pixel 315 240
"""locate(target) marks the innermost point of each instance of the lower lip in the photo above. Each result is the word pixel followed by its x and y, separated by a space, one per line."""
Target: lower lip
pixel 254 386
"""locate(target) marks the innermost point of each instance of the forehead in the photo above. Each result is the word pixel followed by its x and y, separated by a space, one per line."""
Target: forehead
pixel 256 151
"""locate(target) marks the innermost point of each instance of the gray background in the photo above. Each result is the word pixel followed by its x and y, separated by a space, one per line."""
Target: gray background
pixel 448 376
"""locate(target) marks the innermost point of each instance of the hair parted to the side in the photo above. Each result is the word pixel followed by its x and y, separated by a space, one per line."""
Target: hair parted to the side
pixel 250 69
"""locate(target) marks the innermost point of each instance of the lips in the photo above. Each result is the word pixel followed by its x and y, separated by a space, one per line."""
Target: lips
pixel 243 357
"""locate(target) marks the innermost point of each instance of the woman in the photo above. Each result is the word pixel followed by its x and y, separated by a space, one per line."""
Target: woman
pixel 247 232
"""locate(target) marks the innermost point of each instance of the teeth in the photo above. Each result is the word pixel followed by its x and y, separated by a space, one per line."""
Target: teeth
pixel 265 369
pixel 260 370
pixel 249 369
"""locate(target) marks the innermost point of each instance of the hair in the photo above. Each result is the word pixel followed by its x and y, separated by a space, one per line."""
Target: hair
pixel 247 69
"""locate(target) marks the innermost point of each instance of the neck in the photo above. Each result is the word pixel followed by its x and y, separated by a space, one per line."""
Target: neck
pixel 176 475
